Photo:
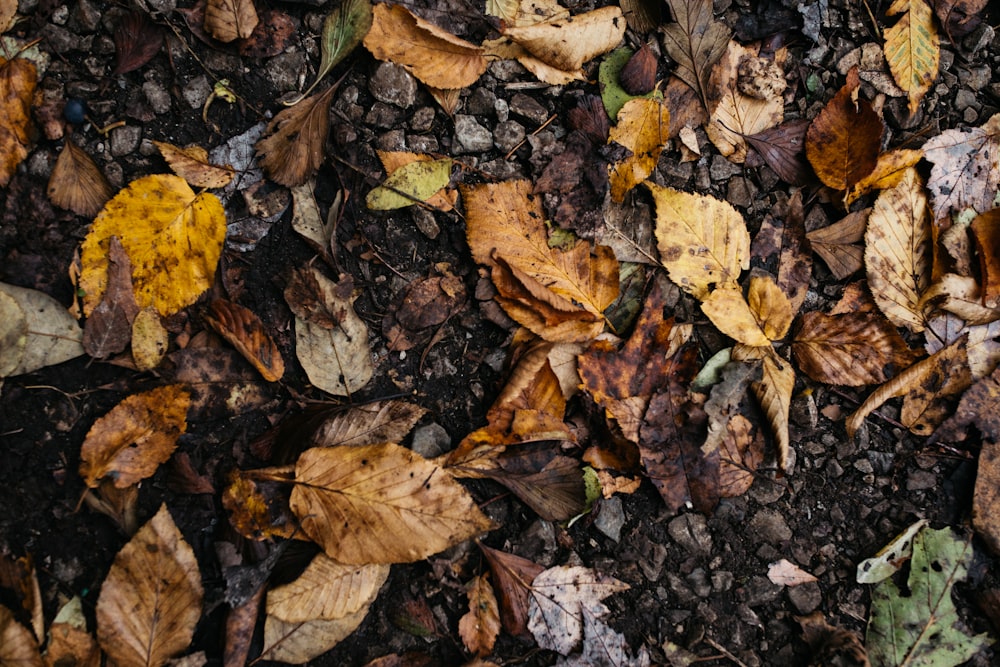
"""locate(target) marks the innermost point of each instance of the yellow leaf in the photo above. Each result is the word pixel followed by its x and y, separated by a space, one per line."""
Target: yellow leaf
pixel 409 508
pixel 227 20
pixel 18 78
pixel 731 314
pixel 326 590
pixel 77 183
pixel 151 599
pixel 770 306
pixel 912 49
pixel 897 251
pixel 889 170
pixel 172 236
pixel 703 241
pixel 292 149
pixel 429 53
pixel 567 43
pixel 149 340
pixel 135 437
pixel 642 128
pixel 774 393
pixel 418 178
pixel 192 165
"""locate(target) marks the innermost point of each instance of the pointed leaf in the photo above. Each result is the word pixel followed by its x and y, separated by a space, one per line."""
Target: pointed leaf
pixel 695 41
pixel 292 148
pixel 327 590
pixel 137 40
pixel 412 183
pixel 77 183
pixel 35 331
pixel 383 421
pixel 344 28
pixel 560 596
pixel 298 642
pixel 912 49
pixel 642 128
pixel 783 148
pixel 567 44
pixel 480 626
pixel 228 20
pixel 513 575
pixel 244 331
pixel 740 454
pixel 835 243
pixel 774 393
pixel 192 164
pixel 108 330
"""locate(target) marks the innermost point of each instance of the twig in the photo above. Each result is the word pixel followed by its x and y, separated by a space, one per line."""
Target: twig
pixel 722 649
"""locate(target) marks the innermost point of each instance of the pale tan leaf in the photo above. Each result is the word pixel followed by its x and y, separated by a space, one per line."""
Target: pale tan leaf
pixel 227 20
pixel 835 243
pixel 961 296
pixel 18 647
pixel 966 171
pixel 383 421
pixel 77 183
pixel 897 252
pixel 410 507
pixel 567 44
pixel 35 331
pixel 480 626
pixel 774 392
pixel 293 145
pixel 151 599
pixel 192 164
pixel 703 242
pixel 505 49
pixel 299 642
pixel 641 128
pixel 150 339
pixel 560 597
pixel 731 314
pixel 929 402
pixel 327 590
pixel 786 573
pixel 307 220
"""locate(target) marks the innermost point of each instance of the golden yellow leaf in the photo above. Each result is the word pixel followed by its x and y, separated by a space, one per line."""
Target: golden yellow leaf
pixel 326 590
pixel 409 507
pixel 191 164
pixel 292 148
pixel 567 43
pixel 429 53
pixel 770 306
pixel 17 645
pixel 227 20
pixel 151 599
pixel 642 128
pixel 18 78
pixel 731 314
pixel 257 503
pixel 299 642
pixel 172 236
pixel 411 179
pixel 774 393
pixel 130 442
pixel 897 251
pixel 149 339
pixel 888 171
pixel 77 183
pixel 912 48
pixel 480 626
pixel 703 241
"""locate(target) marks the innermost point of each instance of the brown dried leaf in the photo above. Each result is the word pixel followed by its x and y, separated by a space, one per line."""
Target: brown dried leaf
pixel 695 41
pixel 979 407
pixel 274 31
pixel 843 141
pixel 18 78
pixel 504 49
pixel 299 642
pixel 17 645
pixel 327 590
pixel 227 20
pixel 77 183
pixel 257 502
pixel 108 330
pixel 151 599
pixel 480 626
pixel 966 171
pixel 986 497
pixel 244 331
pixel 550 484
pixel 191 164
pixel 781 248
pixel 641 128
pixel 241 621
pixel 985 230
pixel 69 643
pixel 135 437
pixel 568 43
pixel 741 452
pixel 851 349
pixel 391 491
pixel 835 243
pixel 137 40
pixel 782 147
pixel 383 421
pixel 774 393
pixel 431 54
pixel 293 146
pixel 959 17
pixel 221 383
pixel 831 645
pixel 931 400
pixel 960 296
pixel 513 576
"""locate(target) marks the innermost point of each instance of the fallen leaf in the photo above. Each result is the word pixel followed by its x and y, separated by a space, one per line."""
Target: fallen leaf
pixel 567 43
pixel 613 95
pixel 729 311
pixel 912 48
pixel 922 626
pixel 979 407
pixel 835 243
pixel 960 296
pixel 641 128
pixel 959 17
pixel 244 331
pixel 343 29
pixel 18 78
pixel 891 557
pixel 228 20
pixel 695 41
pixel 966 169
pixel 724 400
pixel 292 147
pixel 782 248
pixel 257 503
pixel 603 646
pixel 382 421
pixel 431 54
pixel 137 40
pixel 986 496
pixel 504 49
pixel 172 236
pixel 135 437
pixel 418 312
pixel 307 220
pixel 35 331
pixel 77 183
pixel 414 182
pixel 480 626
pixel 550 484
pixel 843 141
pixel 703 241
pixel 8 10
pixel 930 401
pixel 17 645
pixel 108 330
pixel 786 573
pixel 985 230
pixel 782 148
pixel 774 393
pixel 221 383
pixel 69 643
pixel 150 339
pixel 889 170
pixel 390 490
pixel 274 33
pixel 299 642
pixel 193 165
pixel 327 590
pixel 513 575
pixel 560 598
pixel 241 621
pixel 850 349
pixel 151 599
pixel 831 645
pixel 120 505
pixel 740 454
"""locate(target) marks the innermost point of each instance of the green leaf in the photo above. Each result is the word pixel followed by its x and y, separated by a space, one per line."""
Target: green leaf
pixel 411 183
pixel 920 628
pixel 343 29
pixel 612 93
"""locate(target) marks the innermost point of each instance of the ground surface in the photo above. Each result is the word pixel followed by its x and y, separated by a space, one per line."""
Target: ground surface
pixel 697 581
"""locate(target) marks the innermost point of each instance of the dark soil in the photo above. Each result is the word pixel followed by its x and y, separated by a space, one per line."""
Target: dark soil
pixel 699 582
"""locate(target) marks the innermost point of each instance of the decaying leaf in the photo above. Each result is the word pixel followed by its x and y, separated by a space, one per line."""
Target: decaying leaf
pixel 292 148
pixel 69 643
pixel 414 182
pixel 244 331
pixel 420 310
pixel 192 164
pixel 965 172
pixel 786 573
pixel 258 505
pixel 227 20
pixel 561 597
pixel 241 621
pixel 411 508
pixel 985 230
pixel 567 43
pixel 835 243
pixel 961 296
pixel 18 645
pixel 150 339
pixel 135 437
pixel 782 248
pixel 513 575
pixel 783 148
pixel 695 41
pixel 343 30
pixel 299 642
pixel 740 453
pixel 327 590
pixel 703 242
pixel 912 48
pixel 77 183
pixel 641 128
pixel 35 331
pixel 831 645
pixel 986 497
pixel 480 626
pixel 774 393
pixel 979 407
pixel 959 17
pixel 151 599
pixel 137 40
pixel 108 330
pixel 18 78
pixel 731 314
pixel 172 236
pixel 891 557
pixel 504 49
pixel 431 54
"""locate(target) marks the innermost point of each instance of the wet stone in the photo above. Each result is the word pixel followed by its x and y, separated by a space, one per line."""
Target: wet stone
pixel 283 70
pixel 508 134
pixel 392 84
pixel 425 222
pixel 422 143
pixel 610 517
pixel 470 136
pixel 431 440
pixel 482 102
pixel 769 526
pixel 383 115
pixel 722 581
pixel 965 99
pixel 760 591
pixel 699 582
pixel 393 140
pixel 85 17
pixel 125 140
pixel 691 533
pixel 157 96
pixel 422 120
pixel 196 91
pixel 806 598
pixel 528 107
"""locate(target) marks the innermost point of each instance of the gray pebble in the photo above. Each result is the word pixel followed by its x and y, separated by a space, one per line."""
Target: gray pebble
pixel 393 85
pixel 769 526
pixel 759 591
pixel 806 598
pixel 691 532
pixel 529 108
pixel 125 140
pixel 422 120
pixel 470 136
pixel 425 222
pixel 196 91
pixel 610 517
pixel 157 96
pixel 423 143
pixel 508 134
pixel 431 440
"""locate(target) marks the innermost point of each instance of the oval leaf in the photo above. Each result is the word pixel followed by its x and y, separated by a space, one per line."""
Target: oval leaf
pixel 415 182
pixel 327 590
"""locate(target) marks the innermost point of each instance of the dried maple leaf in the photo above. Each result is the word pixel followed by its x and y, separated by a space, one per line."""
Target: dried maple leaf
pixel 966 171
pixel 228 20
pixel 18 78
pixel 77 183
pixel 431 54
pixel 135 437
pixel 513 575
pixel 293 146
pixel 326 590
pixel 835 243
pixel 912 48
pixel 695 41
pixel 641 128
pixel 244 331
pixel 480 626
pixel 108 330
pixel 567 43
pixel 843 141
pixel 783 149
pixel 151 599
pixel 137 40
pixel 192 164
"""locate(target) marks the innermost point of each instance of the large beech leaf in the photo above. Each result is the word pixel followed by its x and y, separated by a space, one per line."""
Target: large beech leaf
pixel 561 597
pixel 897 252
pixel 381 504
pixel 695 41
pixel 567 44
pixel 228 20
pixel 298 642
pixel 641 128
pixel 172 236
pixel 151 599
pixel 703 241
pixel 326 590
pixel 912 48
pixel 920 627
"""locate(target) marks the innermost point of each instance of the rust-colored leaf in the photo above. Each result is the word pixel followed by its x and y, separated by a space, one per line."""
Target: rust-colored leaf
pixel 244 331
pixel 18 78
pixel 549 483
pixel 985 230
pixel 227 20
pixel 77 183
pixel 293 146
pixel 69 643
pixel 137 40
pixel 192 164
pixel 513 576
pixel 480 626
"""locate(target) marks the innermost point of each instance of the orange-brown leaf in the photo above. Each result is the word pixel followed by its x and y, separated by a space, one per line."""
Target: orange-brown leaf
pixel 480 626
pixel 77 183
pixel 294 144
pixel 257 502
pixel 227 20
pixel 244 330
pixel 17 645
pixel 741 452
pixel 191 164
pixel 641 128
pixel 513 576
pixel 986 231
pixel 836 243
pixel 18 78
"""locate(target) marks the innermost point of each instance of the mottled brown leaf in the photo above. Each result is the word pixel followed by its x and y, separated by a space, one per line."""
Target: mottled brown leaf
pixel 228 20
pixel 959 17
pixel 986 232
pixel 77 183
pixel 108 330
pixel 244 331
pixel 741 452
pixel 783 149
pixel 18 78
pixel 836 243
pixel 513 576
pixel 695 41
pixel 480 626
pixel 293 145
pixel 979 407
pixel 326 590
pixel 781 248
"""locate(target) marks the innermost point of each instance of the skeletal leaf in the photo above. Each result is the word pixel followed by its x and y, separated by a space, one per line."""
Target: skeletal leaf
pixel 695 41
pixel 343 30
pixel 135 437
pixel 897 252
pixel 641 128
pixel 411 508
pixel 912 48
pixel 414 182
pixel 703 241
pixel 18 78
pixel 966 171
pixel 192 164
pixel 227 20
pixel 567 44
pixel 244 331
pixel 292 147
pixel 151 599
pixel 480 626
pixel 560 599
pixel 77 183
pixel 35 331
pixel 326 590
pixel 835 243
